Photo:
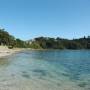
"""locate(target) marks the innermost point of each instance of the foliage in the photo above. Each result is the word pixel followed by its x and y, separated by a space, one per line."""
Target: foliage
pixel 44 42
pixel 10 41
pixel 59 43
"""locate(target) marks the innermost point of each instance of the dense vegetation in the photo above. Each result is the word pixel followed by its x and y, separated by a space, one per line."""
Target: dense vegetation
pixel 44 42
pixel 59 43
pixel 11 41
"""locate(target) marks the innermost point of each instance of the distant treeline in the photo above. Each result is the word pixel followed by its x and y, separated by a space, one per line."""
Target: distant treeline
pixel 59 43
pixel 44 42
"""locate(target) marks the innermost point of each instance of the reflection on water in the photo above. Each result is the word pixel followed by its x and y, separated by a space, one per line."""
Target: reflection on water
pixel 46 70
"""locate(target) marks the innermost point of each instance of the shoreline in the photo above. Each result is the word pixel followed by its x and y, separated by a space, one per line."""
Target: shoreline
pixel 53 49
pixel 5 51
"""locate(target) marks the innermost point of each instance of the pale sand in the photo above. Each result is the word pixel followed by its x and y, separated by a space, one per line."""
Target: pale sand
pixel 4 51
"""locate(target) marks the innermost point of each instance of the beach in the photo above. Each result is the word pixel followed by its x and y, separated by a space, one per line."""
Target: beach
pixel 5 51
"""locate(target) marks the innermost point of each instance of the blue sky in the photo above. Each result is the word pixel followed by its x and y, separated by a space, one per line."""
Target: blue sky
pixel 26 19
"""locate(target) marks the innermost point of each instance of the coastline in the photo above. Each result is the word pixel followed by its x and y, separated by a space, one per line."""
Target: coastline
pixel 52 49
pixel 5 51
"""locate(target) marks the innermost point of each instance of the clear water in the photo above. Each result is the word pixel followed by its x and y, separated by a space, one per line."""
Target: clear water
pixel 46 70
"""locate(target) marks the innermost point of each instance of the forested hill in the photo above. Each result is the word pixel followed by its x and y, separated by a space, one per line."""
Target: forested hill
pixel 44 42
pixel 59 43
pixel 11 41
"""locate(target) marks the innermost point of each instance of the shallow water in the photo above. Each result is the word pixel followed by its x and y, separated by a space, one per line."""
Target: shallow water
pixel 46 70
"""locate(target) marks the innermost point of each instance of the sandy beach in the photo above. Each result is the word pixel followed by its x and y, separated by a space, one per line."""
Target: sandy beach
pixel 5 51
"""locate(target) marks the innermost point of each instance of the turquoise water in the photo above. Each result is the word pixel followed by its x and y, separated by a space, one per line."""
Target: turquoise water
pixel 46 70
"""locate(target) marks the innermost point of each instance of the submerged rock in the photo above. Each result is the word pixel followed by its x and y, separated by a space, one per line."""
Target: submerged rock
pixel 83 84
pixel 41 72
pixel 25 74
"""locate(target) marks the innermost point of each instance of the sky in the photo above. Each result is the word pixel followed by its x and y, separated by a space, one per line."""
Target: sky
pixel 27 19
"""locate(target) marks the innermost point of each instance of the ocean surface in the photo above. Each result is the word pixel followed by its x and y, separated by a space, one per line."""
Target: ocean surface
pixel 46 70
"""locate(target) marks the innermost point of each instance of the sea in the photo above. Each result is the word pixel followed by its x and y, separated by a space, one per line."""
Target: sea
pixel 46 70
